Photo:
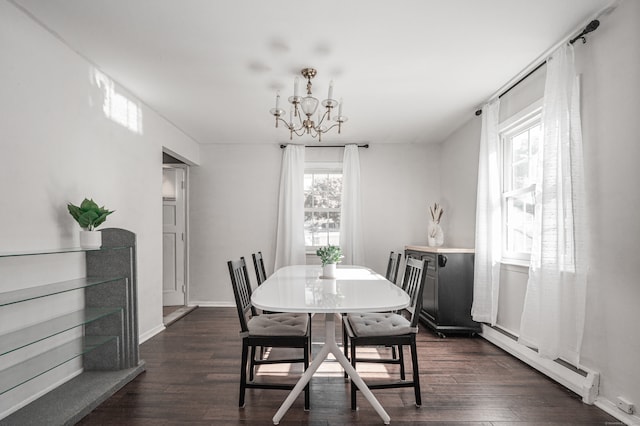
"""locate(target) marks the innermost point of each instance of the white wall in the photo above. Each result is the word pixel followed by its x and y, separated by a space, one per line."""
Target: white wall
pixel 58 146
pixel 458 184
pixel 234 206
pixel 399 182
pixel 609 64
pixel 234 197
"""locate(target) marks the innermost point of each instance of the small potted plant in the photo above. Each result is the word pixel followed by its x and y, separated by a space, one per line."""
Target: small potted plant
pixel 89 216
pixel 329 255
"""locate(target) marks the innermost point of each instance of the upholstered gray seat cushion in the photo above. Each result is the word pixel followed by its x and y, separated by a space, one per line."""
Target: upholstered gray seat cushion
pixel 286 324
pixel 379 324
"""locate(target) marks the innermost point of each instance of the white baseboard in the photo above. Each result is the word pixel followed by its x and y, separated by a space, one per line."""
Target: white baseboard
pixel 209 304
pixel 149 334
pixel 584 385
pixel 612 409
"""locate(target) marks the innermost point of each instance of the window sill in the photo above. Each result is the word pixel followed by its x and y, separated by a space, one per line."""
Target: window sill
pixel 515 262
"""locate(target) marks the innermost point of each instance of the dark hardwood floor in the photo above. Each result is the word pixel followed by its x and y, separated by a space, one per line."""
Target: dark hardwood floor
pixel 193 373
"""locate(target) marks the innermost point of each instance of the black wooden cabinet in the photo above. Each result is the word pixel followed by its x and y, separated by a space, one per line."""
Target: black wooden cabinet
pixel 448 292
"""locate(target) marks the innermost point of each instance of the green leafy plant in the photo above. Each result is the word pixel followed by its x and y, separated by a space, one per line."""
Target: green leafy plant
pixel 329 254
pixel 89 216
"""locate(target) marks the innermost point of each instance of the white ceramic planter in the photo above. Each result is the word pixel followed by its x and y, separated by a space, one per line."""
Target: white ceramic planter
pixel 330 286
pixel 435 236
pixel 90 239
pixel 329 270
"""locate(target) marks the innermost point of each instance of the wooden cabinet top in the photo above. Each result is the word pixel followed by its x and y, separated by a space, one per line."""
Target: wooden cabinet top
pixel 428 249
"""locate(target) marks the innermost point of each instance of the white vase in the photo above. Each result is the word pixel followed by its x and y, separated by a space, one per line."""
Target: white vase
pixel 330 286
pixel 435 237
pixel 90 239
pixel 329 270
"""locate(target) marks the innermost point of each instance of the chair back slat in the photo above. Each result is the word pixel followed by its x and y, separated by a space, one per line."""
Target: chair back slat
pixel 393 266
pixel 414 278
pixel 241 290
pixel 258 264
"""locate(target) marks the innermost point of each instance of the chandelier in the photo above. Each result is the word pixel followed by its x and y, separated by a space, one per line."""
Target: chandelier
pixel 308 106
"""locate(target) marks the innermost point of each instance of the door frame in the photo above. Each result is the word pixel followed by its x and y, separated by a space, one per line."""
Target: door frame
pixel 186 169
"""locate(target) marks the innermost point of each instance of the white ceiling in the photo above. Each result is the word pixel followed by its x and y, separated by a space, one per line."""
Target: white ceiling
pixel 408 70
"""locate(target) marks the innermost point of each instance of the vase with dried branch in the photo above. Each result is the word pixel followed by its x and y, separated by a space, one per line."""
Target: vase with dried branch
pixel 435 236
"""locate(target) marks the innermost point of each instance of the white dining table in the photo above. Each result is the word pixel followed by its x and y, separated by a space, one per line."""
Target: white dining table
pixel 300 288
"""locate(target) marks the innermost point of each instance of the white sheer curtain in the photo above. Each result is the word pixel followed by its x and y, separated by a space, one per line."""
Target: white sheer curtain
pixel 553 315
pixel 290 232
pixel 351 240
pixel 488 220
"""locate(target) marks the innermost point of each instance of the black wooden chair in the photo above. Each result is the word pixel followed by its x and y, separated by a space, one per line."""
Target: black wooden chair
pixel 393 265
pixel 391 329
pixel 261 275
pixel 267 330
pixel 258 264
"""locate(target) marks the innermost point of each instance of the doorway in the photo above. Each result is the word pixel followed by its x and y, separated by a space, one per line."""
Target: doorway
pixel 174 239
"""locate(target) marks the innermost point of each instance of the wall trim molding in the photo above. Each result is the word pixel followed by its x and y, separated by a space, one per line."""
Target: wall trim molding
pixel 612 409
pixel 210 304
pixel 150 333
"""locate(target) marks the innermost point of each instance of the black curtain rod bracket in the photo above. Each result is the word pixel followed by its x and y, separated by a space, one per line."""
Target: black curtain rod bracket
pixel 591 26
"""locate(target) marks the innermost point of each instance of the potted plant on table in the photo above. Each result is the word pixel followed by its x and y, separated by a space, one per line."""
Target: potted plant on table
pixel 89 216
pixel 330 256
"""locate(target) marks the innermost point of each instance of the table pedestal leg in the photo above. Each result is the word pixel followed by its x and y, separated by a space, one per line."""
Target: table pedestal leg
pixel 330 346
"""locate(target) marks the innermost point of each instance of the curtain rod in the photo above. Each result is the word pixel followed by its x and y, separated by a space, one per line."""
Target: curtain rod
pixel 591 26
pixel 366 145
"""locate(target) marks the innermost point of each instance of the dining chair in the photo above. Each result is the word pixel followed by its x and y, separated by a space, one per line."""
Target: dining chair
pixel 393 266
pixel 261 276
pixel 283 330
pixel 391 329
pixel 258 264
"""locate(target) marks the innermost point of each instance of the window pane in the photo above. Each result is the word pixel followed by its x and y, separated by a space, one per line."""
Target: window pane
pixel 333 228
pixel 308 182
pixel 521 175
pixel 520 148
pixel 328 188
pixel 524 150
pixel 322 194
pixel 534 138
pixel 520 211
pixel 309 228
pixel 308 190
pixel 521 145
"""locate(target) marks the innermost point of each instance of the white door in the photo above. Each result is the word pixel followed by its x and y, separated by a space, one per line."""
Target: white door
pixel 173 237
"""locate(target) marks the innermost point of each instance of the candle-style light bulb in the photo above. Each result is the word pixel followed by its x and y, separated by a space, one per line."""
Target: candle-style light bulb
pixel 330 90
pixel 278 99
pixel 296 88
pixel 340 108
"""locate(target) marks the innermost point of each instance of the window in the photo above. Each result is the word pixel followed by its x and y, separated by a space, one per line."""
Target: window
pixel 520 142
pixel 322 198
